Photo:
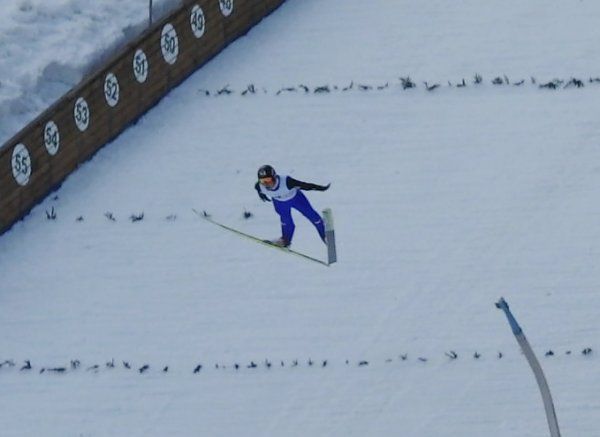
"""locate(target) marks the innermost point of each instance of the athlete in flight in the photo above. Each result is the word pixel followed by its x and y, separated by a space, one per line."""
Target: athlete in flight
pixel 285 193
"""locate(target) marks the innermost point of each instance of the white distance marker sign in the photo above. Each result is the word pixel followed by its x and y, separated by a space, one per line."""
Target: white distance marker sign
pixel 111 90
pixel 21 164
pixel 197 21
pixel 226 7
pixel 140 66
pixel 169 43
pixel 51 138
pixel 81 113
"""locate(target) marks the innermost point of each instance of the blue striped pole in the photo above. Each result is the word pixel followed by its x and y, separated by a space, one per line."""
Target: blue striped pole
pixel 535 366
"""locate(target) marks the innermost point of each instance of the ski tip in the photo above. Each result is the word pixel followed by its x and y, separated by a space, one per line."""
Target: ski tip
pixel 203 214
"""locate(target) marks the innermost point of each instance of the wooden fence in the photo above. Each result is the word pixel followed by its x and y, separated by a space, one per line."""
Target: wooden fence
pixel 38 159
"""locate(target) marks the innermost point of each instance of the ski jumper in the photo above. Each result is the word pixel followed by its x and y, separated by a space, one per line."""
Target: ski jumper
pixel 286 195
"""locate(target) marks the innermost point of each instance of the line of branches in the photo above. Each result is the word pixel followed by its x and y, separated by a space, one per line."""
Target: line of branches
pixel 77 365
pixel 405 83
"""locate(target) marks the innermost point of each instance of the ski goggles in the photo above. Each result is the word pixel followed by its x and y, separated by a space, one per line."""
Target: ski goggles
pixel 266 181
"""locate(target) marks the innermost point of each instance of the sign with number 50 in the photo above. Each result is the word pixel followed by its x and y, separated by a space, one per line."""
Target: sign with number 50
pixel 169 43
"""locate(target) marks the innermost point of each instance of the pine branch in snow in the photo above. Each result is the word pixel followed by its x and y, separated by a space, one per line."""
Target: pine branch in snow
pixel 136 217
pixel 407 83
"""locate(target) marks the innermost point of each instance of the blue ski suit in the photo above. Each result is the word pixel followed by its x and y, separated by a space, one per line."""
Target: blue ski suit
pixel 286 195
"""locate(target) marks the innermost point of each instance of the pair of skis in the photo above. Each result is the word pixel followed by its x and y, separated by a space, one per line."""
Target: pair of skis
pixel 329 237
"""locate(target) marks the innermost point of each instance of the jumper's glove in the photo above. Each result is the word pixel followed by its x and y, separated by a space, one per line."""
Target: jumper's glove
pixel 263 197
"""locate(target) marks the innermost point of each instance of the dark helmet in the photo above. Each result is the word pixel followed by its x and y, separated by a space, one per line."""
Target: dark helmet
pixel 266 171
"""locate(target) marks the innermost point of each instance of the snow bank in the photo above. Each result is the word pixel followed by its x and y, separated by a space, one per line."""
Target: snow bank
pixel 48 46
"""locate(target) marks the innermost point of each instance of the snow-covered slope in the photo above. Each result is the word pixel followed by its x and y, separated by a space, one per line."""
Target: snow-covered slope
pixel 46 47
pixel 444 201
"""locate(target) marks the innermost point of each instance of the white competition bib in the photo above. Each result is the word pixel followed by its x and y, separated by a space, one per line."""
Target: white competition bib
pixel 280 191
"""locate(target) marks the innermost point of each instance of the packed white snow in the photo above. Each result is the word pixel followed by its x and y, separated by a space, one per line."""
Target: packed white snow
pixel 47 46
pixel 444 201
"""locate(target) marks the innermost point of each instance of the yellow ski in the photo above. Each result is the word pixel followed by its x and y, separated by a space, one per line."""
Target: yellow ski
pixel 204 215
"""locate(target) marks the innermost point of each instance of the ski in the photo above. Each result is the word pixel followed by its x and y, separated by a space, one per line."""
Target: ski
pixel 204 215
